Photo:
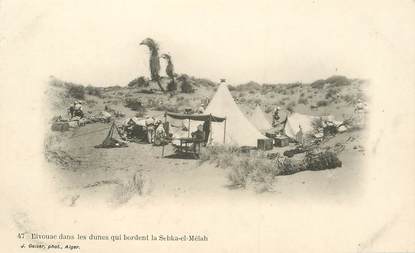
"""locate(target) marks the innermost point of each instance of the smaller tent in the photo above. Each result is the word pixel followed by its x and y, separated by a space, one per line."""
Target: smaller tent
pixel 111 141
pixel 297 120
pixel 193 120
pixel 259 120
pixel 104 116
pixel 134 121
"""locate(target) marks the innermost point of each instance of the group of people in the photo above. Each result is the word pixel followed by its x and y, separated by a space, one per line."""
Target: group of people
pixel 153 131
pixel 75 110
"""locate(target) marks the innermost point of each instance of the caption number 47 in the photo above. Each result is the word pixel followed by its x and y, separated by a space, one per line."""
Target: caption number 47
pixel 20 235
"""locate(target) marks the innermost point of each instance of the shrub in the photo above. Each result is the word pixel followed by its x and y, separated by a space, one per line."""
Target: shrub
pixel 244 168
pixel 331 93
pixel 257 101
pixel 139 82
pixel 303 101
pixel 290 106
pixel 91 102
pixel 337 81
pixel 348 98
pixel 134 104
pixel 293 85
pixel 204 82
pixel 93 91
pixel 132 187
pixel 319 84
pixel 76 91
pixel 322 103
pixel 186 86
pixel 223 156
pixel 172 86
pixel 167 108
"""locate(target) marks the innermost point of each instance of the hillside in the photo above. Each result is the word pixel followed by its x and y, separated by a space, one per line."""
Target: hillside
pixel 336 95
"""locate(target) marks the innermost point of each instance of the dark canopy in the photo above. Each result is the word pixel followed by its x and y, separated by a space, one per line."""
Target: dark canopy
pixel 196 117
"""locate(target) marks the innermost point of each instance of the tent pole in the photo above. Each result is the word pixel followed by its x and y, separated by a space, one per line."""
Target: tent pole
pixel 188 129
pixel 224 132
pixel 162 149
pixel 210 130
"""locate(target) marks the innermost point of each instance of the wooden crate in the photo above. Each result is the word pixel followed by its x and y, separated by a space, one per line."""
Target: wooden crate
pixel 270 135
pixel 281 141
pixel 60 126
pixel 264 144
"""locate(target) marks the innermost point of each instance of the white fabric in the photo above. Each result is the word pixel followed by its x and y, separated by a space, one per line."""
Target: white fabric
pixel 239 131
pixel 104 115
pixel 259 120
pixel 296 120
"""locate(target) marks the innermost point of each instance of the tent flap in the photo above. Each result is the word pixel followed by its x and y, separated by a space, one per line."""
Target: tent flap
pixel 196 117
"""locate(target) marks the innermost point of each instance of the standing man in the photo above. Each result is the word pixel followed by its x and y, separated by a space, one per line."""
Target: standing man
pixel 150 129
pixel 276 117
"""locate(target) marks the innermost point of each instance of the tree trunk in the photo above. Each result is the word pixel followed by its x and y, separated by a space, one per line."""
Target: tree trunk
pixel 160 86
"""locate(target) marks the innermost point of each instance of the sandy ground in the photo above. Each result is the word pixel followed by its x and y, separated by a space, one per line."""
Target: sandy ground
pixel 101 173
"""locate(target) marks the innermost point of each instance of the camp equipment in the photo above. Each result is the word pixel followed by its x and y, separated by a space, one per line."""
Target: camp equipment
pixel 110 141
pixel 60 126
pixel 186 144
pixel 281 141
pixel 264 144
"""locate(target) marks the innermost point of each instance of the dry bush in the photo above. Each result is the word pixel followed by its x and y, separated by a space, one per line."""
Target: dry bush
pixel 303 101
pixel 76 91
pixel 331 93
pixel 322 103
pixel 132 187
pixel 134 104
pixel 139 82
pixel 244 168
pixel 223 156
pixel 319 84
pixel 93 91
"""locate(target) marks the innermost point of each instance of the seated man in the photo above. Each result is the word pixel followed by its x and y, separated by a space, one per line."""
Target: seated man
pixel 198 137
pixel 199 134
pixel 160 134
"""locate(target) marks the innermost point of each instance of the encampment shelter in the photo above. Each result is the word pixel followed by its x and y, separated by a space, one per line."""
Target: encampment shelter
pixel 259 120
pixel 239 130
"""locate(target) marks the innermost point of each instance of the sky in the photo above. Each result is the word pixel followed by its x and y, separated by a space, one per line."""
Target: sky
pixel 97 42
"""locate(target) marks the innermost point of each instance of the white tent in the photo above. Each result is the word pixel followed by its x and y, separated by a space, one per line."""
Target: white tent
pixel 295 120
pixel 239 131
pixel 259 120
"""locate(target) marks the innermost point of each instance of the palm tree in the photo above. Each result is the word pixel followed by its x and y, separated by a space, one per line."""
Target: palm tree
pixel 170 72
pixel 154 60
